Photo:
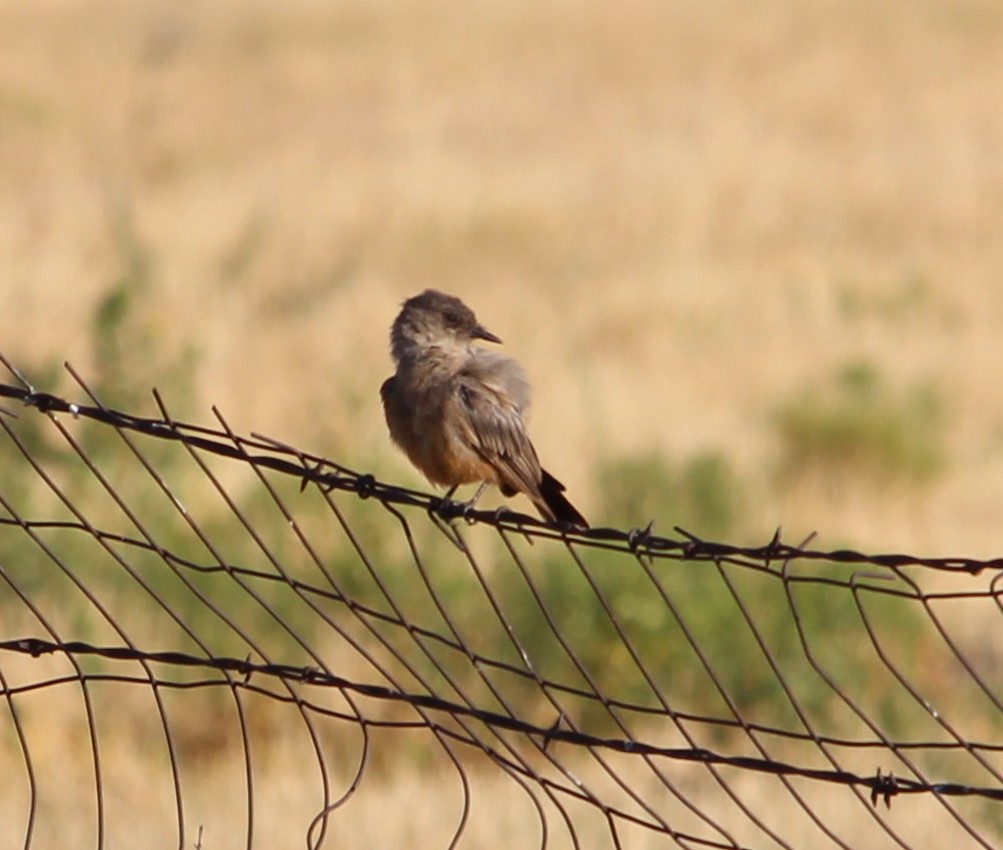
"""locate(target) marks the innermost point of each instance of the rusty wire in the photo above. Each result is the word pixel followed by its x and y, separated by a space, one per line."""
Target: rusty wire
pixel 339 608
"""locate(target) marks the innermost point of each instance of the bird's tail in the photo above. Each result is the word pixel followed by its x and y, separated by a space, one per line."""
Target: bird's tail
pixel 553 504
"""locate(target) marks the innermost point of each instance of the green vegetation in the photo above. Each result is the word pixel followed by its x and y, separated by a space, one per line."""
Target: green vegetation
pixel 129 343
pixel 894 305
pixel 684 621
pixel 859 428
pixel 701 494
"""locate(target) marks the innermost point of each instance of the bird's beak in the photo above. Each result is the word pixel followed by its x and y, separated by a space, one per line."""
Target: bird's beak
pixel 480 333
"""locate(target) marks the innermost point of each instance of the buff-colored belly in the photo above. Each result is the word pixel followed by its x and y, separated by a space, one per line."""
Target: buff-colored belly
pixel 441 452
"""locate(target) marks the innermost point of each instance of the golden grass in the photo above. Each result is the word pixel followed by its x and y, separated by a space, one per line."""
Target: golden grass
pixel 664 210
pixel 677 215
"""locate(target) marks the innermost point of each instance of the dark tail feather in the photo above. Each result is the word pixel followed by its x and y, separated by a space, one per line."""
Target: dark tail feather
pixel 554 505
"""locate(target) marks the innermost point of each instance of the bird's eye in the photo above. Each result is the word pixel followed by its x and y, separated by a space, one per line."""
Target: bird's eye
pixel 452 319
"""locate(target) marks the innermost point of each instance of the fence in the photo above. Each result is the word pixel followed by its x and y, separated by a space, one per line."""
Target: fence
pixel 211 640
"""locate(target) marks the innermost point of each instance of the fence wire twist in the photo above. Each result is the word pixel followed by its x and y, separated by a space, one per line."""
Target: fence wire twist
pixel 630 689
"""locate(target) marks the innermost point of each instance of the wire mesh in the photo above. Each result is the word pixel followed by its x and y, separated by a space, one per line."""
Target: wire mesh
pixel 215 640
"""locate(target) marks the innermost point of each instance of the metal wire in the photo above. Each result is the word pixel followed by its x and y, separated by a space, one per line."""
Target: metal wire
pixel 632 689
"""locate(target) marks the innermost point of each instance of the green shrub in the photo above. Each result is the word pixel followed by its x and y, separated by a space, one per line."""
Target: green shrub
pixel 858 427
pixel 701 494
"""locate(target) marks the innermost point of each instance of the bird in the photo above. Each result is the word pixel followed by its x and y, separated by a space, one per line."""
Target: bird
pixel 457 410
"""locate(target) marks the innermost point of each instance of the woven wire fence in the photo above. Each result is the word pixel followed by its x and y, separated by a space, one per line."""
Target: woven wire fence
pixel 215 640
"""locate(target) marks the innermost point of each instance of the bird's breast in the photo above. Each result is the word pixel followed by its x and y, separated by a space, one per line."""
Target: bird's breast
pixel 423 419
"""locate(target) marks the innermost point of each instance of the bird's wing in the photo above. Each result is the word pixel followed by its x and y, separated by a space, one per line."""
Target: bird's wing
pixel 491 423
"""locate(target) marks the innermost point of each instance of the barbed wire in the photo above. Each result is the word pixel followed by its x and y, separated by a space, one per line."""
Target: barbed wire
pixel 640 679
pixel 885 786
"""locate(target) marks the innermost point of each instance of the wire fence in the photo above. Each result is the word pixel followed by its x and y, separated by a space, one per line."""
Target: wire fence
pixel 213 640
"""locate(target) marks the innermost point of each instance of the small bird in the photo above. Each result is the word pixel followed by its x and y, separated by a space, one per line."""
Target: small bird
pixel 457 409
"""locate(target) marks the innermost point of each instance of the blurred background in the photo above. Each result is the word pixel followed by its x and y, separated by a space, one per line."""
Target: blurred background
pixel 749 254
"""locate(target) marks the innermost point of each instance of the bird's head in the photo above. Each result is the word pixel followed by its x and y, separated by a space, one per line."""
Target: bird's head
pixel 435 320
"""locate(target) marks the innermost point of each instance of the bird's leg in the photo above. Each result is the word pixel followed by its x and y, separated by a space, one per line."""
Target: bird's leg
pixel 477 495
pixel 469 504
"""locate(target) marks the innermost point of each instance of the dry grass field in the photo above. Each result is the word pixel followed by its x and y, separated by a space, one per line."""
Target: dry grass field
pixel 707 229
pixel 676 215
